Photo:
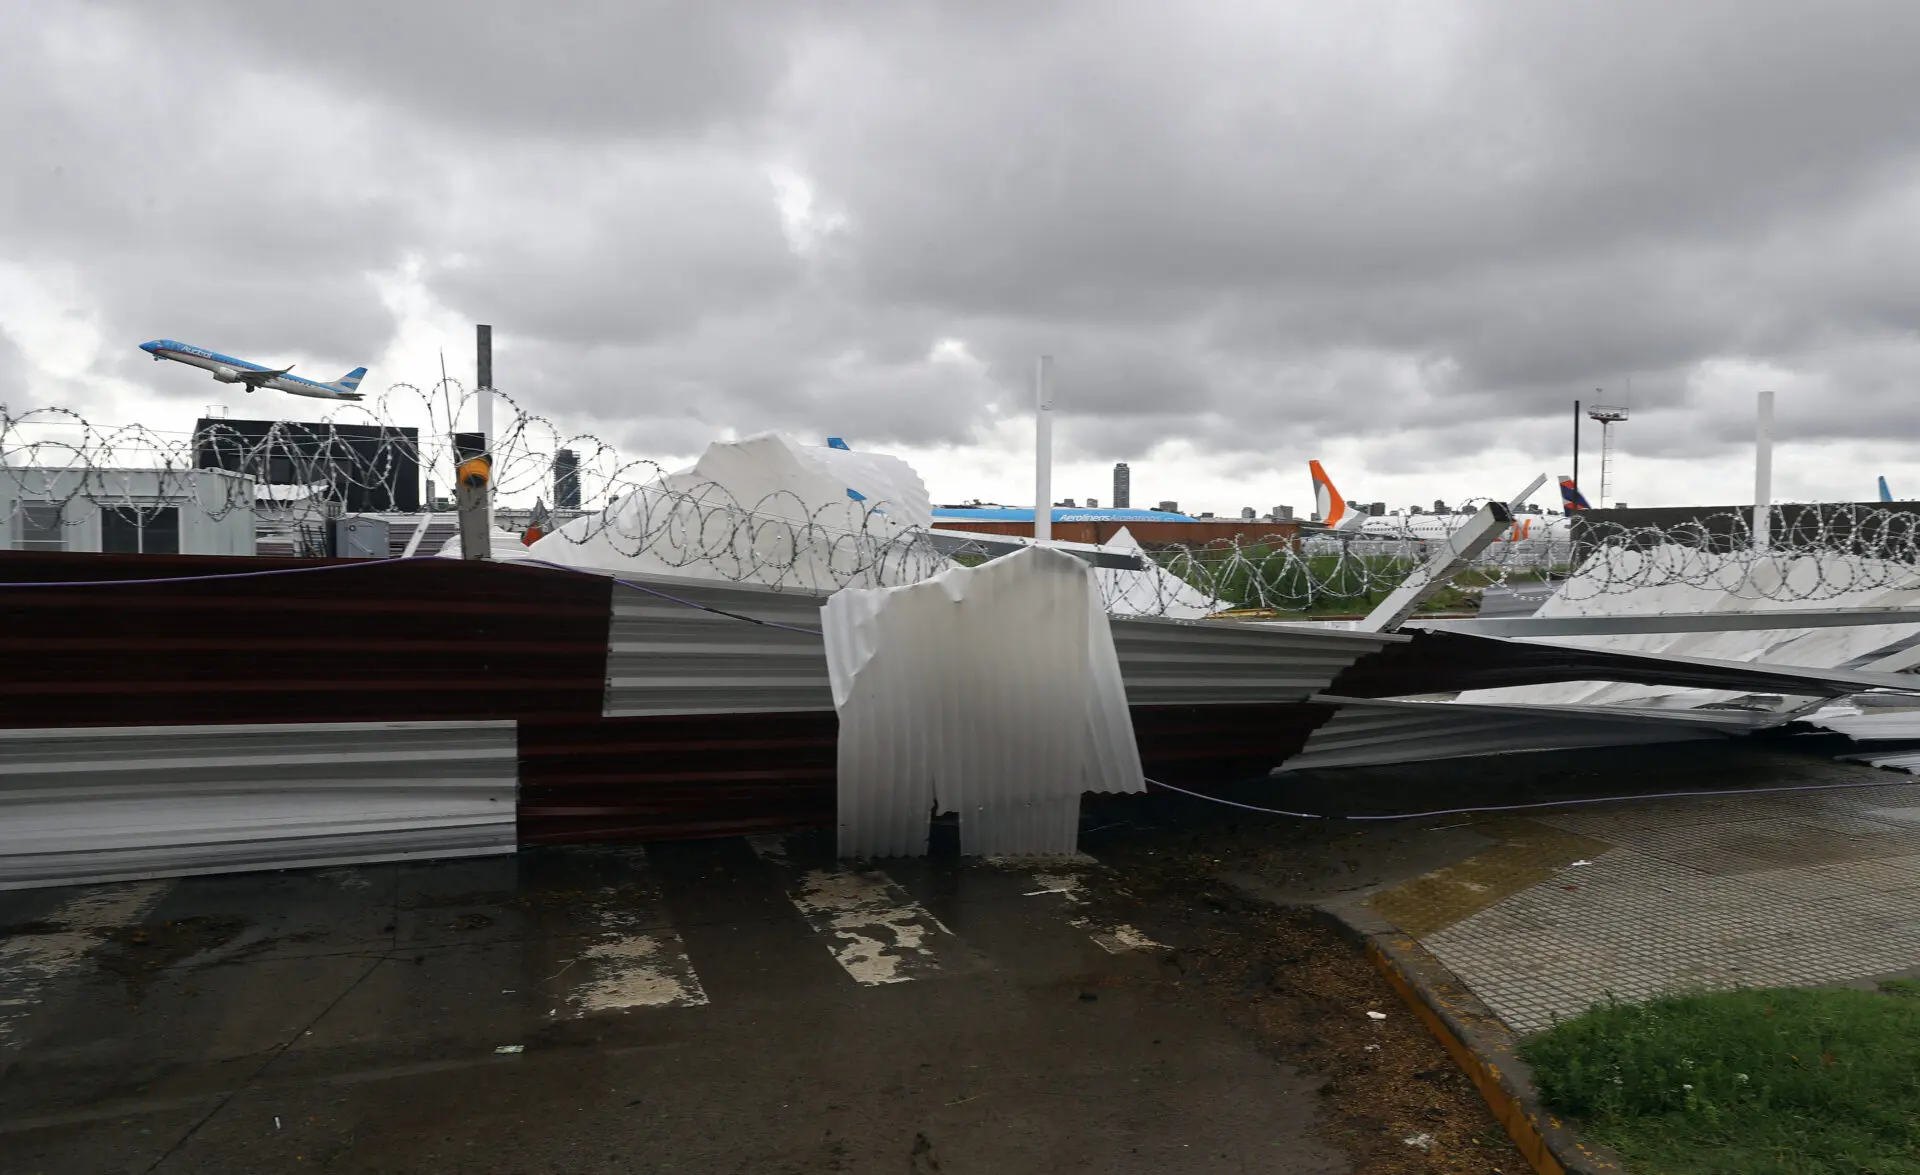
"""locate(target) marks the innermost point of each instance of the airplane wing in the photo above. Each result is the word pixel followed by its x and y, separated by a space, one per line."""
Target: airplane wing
pixel 254 379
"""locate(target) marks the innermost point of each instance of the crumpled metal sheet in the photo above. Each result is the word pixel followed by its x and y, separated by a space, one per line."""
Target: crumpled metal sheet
pixel 1372 732
pixel 118 803
pixel 993 692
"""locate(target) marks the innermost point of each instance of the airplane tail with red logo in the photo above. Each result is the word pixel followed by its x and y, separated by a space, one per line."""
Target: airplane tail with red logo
pixel 1571 497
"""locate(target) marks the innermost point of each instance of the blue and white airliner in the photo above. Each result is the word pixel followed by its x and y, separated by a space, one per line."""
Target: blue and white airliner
pixel 229 370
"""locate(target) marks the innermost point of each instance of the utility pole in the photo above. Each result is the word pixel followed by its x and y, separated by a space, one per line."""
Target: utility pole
pixel 1576 444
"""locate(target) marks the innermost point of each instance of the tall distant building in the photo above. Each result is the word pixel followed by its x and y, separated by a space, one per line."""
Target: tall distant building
pixel 566 479
pixel 1122 486
pixel 1248 514
pixel 1170 507
pixel 1282 514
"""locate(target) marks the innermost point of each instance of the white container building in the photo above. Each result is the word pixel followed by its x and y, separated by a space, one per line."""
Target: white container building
pixel 127 511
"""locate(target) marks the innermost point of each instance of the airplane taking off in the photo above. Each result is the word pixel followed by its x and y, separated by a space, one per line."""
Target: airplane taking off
pixel 229 370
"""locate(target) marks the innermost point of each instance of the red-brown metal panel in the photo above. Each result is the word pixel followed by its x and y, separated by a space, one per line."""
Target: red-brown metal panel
pixel 181 639
pixel 668 777
pixel 171 640
pixel 735 774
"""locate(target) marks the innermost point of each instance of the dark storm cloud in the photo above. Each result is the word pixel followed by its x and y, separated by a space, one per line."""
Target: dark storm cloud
pixel 575 71
pixel 1253 230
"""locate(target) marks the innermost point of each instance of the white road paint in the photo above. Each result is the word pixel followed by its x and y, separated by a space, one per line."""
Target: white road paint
pixel 1114 938
pixel 1122 937
pixel 640 971
pixel 875 930
pixel 637 959
pixel 29 963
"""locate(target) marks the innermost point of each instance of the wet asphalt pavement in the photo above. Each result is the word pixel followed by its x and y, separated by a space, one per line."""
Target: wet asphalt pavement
pixel 714 1006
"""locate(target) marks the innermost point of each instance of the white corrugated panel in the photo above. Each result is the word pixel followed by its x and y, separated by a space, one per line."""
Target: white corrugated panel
pixel 1670 579
pixel 108 804
pixel 1909 763
pixel 666 655
pixel 1868 727
pixel 1372 732
pixel 1215 662
pixel 993 692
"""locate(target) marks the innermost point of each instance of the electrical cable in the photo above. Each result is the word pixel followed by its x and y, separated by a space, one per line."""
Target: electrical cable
pixel 1676 795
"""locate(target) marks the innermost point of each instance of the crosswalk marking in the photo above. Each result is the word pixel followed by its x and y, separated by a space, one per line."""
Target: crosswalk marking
pixel 874 929
pixel 637 960
pixel 631 955
pixel 1112 937
pixel 30 962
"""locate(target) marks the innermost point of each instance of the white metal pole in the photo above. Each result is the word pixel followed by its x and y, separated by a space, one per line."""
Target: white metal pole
pixel 1043 450
pixel 1763 471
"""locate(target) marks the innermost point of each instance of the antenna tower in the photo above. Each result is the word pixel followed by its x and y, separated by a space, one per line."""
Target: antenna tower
pixel 1608 416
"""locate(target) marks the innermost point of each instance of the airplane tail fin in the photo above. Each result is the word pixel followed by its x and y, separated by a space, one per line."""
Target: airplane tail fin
pixel 1886 495
pixel 1327 500
pixel 1570 496
pixel 351 380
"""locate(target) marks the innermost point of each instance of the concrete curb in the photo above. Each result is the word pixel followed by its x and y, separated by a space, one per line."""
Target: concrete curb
pixel 1478 1041
pixel 1486 1050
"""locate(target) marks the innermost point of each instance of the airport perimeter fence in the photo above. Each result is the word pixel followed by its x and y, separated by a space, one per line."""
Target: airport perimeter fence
pixel 56 465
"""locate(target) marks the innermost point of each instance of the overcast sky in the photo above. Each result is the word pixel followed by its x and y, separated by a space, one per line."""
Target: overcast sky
pixel 1401 237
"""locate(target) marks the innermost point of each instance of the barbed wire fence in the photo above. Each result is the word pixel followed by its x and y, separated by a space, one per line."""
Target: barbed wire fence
pixel 57 468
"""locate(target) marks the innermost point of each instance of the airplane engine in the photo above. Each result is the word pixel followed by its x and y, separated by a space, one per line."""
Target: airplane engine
pixel 226 375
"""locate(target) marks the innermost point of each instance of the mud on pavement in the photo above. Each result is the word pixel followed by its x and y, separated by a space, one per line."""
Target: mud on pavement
pixel 1391 1098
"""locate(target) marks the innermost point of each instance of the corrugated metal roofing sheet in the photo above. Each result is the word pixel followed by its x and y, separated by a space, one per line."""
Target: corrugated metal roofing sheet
pixel 1874 726
pixel 190 641
pixel 1200 662
pixel 1372 732
pixel 988 691
pixel 1436 662
pixel 678 776
pixel 666 657
pixel 107 804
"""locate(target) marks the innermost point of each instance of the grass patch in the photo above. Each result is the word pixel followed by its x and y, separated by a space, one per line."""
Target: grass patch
pixel 1760 1082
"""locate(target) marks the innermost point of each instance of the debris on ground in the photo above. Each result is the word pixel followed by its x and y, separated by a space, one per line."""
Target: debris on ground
pixel 1286 977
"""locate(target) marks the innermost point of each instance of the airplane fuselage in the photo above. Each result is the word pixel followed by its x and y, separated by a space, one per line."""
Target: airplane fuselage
pixel 227 369
pixel 1550 527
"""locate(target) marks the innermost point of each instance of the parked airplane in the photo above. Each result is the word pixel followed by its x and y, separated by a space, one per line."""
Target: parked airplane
pixel 1335 516
pixel 229 370
pixel 1886 495
pixel 1331 507
pixel 1570 496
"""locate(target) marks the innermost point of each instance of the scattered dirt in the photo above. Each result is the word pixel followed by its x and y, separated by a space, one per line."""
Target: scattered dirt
pixel 1393 1099
pixel 139 954
pixel 38 926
